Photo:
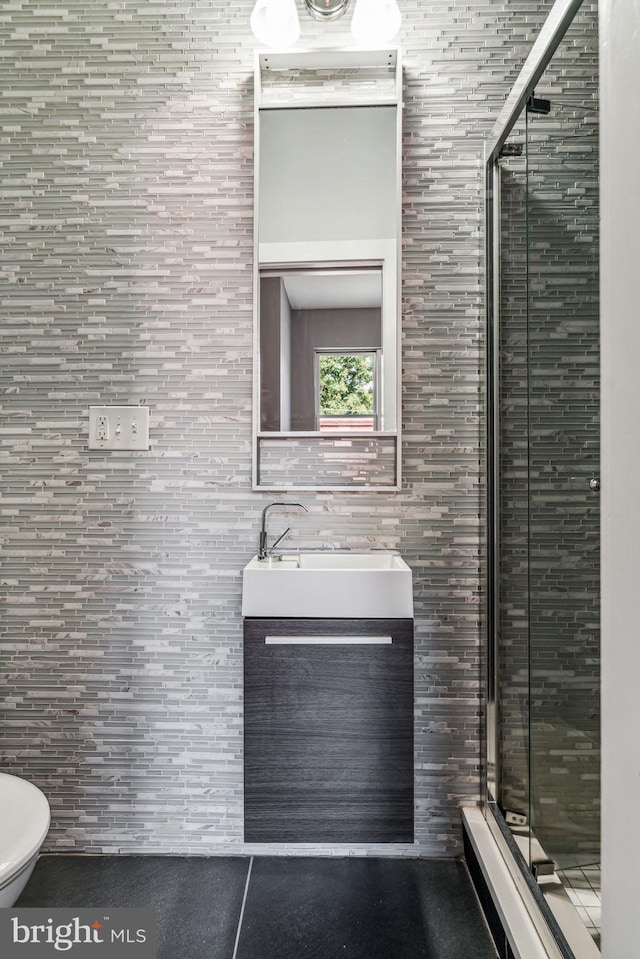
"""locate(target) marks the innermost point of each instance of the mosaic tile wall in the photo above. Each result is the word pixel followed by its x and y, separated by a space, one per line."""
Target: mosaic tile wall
pixel 126 168
pixel 286 463
pixel 550 452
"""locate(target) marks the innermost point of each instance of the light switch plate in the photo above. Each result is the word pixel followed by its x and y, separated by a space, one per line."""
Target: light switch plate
pixel 118 427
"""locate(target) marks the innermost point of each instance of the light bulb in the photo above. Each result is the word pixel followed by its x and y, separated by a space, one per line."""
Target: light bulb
pixel 375 22
pixel 275 22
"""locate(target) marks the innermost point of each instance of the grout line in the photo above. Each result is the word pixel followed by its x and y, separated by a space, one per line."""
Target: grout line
pixel 244 900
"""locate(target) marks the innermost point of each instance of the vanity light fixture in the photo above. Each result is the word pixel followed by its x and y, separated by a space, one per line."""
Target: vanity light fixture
pixel 326 9
pixel 375 22
pixel 275 22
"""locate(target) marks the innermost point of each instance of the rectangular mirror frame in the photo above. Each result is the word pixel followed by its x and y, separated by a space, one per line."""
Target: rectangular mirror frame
pixel 385 63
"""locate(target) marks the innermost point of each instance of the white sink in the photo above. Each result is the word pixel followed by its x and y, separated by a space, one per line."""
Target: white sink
pixel 359 585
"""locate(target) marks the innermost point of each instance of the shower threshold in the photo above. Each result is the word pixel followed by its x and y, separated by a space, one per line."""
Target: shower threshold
pixel 580 884
pixel 512 903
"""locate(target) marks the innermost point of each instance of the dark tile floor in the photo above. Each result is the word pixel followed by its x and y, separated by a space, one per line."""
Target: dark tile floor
pixel 275 907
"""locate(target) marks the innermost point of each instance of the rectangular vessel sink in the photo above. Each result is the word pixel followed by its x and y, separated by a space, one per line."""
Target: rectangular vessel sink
pixel 328 585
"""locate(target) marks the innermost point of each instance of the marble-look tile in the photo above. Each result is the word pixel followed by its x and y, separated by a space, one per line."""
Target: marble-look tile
pixel 127 170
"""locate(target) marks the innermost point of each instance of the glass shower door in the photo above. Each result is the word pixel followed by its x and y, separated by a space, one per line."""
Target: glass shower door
pixel 543 763
pixel 563 473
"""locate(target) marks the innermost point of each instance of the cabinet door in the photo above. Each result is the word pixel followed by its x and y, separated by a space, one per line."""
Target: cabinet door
pixel 328 730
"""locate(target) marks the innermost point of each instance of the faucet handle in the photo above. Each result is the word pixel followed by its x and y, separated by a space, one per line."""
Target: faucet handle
pixel 280 538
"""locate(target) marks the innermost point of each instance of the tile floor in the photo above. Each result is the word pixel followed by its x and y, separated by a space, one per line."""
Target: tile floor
pixel 582 884
pixel 280 907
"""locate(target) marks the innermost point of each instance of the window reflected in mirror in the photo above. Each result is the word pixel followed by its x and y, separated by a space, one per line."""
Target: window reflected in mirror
pixel 320 349
pixel 346 386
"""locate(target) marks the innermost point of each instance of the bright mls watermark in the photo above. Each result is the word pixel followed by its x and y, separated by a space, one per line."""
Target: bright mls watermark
pixel 79 933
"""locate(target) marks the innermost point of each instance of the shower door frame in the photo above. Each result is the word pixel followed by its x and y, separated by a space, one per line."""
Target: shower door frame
pixel 546 44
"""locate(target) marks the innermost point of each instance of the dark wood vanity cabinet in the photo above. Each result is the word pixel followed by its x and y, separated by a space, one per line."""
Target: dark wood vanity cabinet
pixel 328 730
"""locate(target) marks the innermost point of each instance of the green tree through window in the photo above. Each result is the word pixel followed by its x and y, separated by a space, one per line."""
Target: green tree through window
pixel 346 384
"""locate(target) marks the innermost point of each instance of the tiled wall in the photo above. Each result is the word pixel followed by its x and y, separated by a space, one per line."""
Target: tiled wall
pixel 550 434
pixel 126 169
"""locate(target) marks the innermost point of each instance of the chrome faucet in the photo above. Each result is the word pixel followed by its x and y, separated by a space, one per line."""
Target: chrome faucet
pixel 263 551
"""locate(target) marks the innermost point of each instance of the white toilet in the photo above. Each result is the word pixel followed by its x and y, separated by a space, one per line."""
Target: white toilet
pixel 24 823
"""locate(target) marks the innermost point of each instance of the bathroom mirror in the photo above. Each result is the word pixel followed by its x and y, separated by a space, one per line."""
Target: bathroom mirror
pixel 327 279
pixel 321 351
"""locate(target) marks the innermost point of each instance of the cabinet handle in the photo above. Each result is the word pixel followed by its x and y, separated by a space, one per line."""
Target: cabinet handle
pixel 328 640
